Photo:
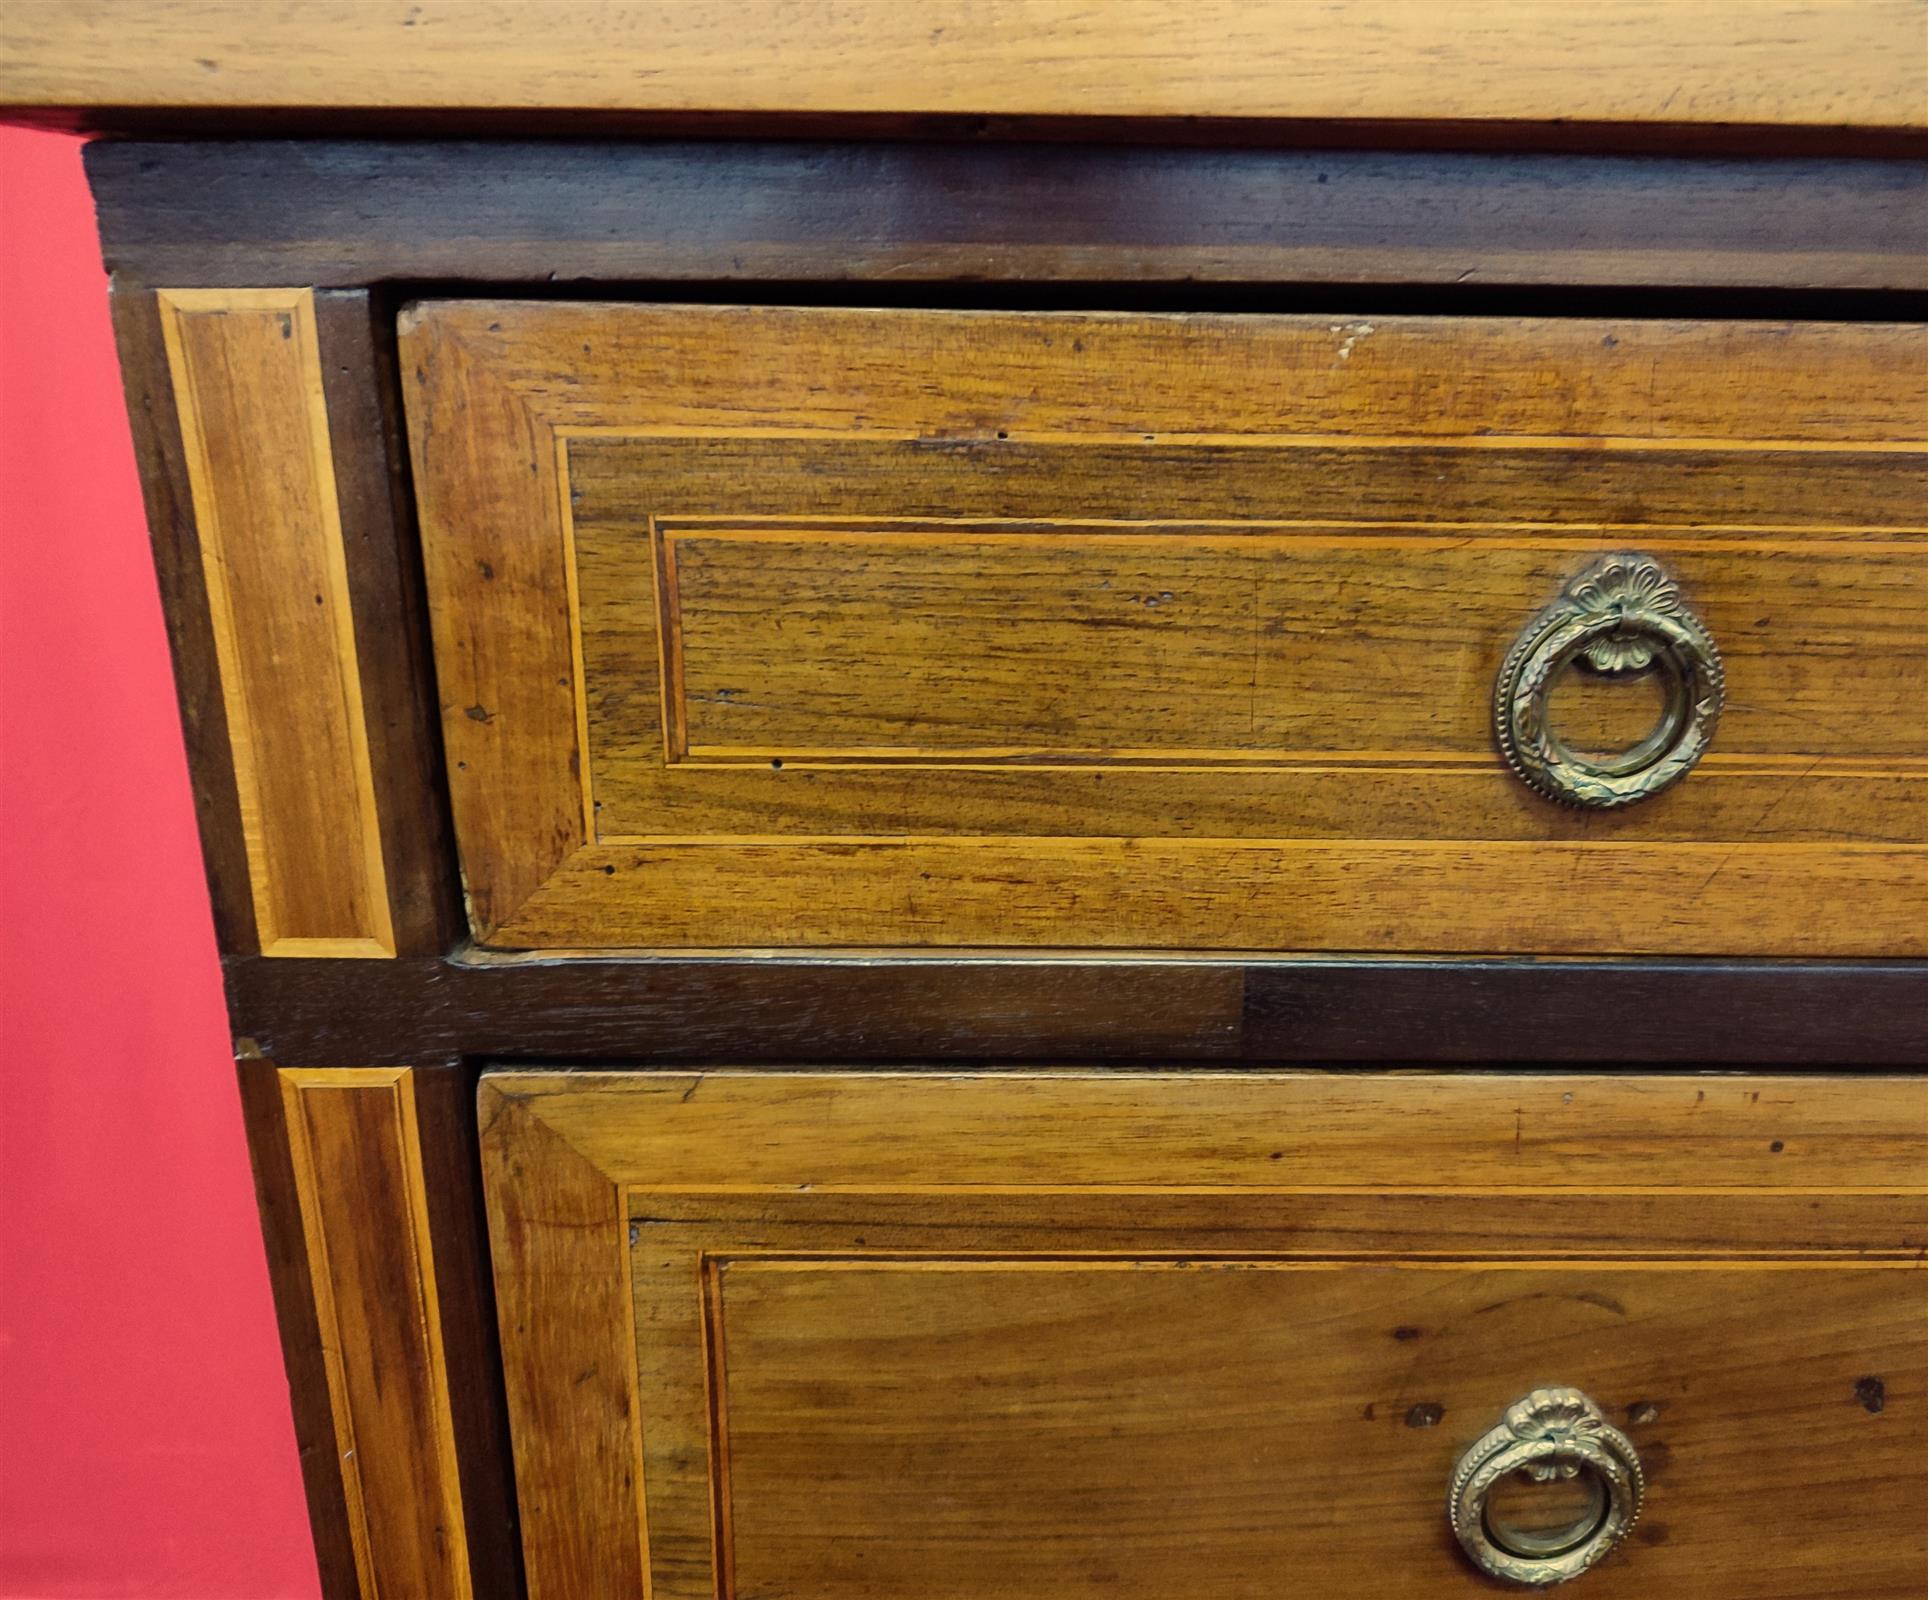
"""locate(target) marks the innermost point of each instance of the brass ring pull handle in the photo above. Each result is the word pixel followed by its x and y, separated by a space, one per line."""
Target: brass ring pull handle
pixel 1622 614
pixel 1551 1434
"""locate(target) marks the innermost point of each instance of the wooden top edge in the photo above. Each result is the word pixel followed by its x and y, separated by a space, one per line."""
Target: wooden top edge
pixel 1773 63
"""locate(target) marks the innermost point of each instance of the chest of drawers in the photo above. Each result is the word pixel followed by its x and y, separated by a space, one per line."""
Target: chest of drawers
pixel 1081 853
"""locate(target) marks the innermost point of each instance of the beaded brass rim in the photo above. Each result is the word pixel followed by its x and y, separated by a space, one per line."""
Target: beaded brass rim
pixel 1622 614
pixel 1551 1433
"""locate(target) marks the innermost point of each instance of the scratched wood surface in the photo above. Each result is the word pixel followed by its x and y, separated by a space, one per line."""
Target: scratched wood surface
pixel 975 1336
pixel 1851 62
pixel 832 628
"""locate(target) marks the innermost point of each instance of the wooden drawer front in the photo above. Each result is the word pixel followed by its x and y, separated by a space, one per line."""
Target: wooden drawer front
pixel 1014 1336
pixel 839 628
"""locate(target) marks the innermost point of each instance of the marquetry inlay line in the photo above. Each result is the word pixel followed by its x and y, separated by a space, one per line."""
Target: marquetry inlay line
pixel 566 520
pixel 632 1378
pixel 359 1324
pixel 669 644
pixel 1436 763
pixel 638 1195
pixel 670 533
pixel 1072 437
pixel 722 525
pixel 716 1402
pixel 1036 532
pixel 1389 1261
pixel 1105 844
pixel 247 376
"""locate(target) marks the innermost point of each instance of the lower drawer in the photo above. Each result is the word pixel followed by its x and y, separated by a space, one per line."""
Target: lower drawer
pixel 1044 1335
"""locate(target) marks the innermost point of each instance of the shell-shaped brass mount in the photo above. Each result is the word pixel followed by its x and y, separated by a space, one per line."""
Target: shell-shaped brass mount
pixel 1621 614
pixel 1551 1433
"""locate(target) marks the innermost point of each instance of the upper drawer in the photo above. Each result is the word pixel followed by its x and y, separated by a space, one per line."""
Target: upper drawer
pixel 768 627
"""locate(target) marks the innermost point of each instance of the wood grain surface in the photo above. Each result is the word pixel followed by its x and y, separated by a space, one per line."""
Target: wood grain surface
pixel 1635 898
pixel 338 1541
pixel 1170 632
pixel 355 330
pixel 1138 1427
pixel 1208 646
pixel 997 1335
pixel 246 368
pixel 800 1009
pixel 382 595
pixel 356 1157
pixel 377 1252
pixel 1195 377
pixel 1536 1130
pixel 1848 62
pixel 578 1478
pixel 154 422
pixel 1037 218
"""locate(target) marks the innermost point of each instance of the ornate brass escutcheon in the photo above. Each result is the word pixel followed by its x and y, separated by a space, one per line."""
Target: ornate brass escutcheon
pixel 1622 614
pixel 1551 1435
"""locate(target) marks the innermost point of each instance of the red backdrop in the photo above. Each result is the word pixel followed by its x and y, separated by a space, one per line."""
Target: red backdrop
pixel 145 1441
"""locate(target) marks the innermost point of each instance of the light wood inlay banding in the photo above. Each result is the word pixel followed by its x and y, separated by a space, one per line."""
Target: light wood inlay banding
pixel 356 1151
pixel 247 375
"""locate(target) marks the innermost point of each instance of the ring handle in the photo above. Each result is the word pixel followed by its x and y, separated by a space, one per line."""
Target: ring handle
pixel 1551 1433
pixel 1621 614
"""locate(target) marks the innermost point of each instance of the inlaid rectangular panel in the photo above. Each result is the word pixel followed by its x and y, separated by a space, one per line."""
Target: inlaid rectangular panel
pixel 355 1150
pixel 766 627
pixel 247 379
pixel 952 645
pixel 982 1337
pixel 1151 1424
